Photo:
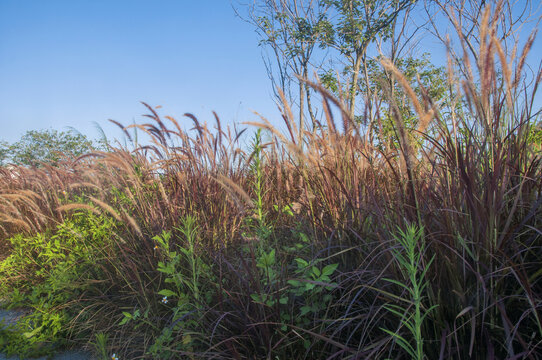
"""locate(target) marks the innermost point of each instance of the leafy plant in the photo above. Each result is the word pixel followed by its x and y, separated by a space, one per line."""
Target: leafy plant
pixel 409 257
pixel 47 146
pixel 100 346
pixel 47 271
pixel 307 294
pixel 184 270
pixel 310 286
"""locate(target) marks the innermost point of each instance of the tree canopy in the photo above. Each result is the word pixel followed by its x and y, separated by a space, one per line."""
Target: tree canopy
pixel 36 147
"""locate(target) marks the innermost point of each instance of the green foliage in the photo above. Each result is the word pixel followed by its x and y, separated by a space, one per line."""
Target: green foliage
pixel 535 135
pixel 419 73
pixel 409 257
pixel 100 346
pixel 185 272
pixel 294 34
pixel 425 79
pixel 47 146
pixel 306 293
pixel 256 168
pixel 46 272
pixel 4 152
pixel 311 288
pixel 359 21
pixel 184 268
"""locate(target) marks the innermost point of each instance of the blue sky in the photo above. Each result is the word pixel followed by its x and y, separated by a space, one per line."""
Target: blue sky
pixel 75 62
pixel 70 63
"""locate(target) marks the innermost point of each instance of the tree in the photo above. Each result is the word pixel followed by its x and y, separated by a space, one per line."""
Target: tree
pixel 358 23
pixel 427 81
pixel 510 21
pixel 291 29
pixel 342 29
pixel 4 152
pixel 44 146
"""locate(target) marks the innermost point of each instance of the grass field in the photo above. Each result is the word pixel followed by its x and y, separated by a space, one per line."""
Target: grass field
pixel 342 242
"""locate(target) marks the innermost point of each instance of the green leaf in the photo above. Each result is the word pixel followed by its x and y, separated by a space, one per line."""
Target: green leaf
pixel 271 257
pixel 295 283
pixel 402 343
pixel 309 286
pixel 166 292
pixel 124 321
pixel 329 269
pixel 30 334
pixel 304 238
pixel 305 309
pixel 398 284
pixel 127 314
pixel 301 264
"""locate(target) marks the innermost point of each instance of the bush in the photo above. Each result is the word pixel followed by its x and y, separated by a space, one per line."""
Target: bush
pixel 47 274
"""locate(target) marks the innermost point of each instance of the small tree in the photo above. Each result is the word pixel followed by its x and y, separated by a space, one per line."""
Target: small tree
pixel 357 24
pixel 4 152
pixel 341 29
pixel 44 146
pixel 291 29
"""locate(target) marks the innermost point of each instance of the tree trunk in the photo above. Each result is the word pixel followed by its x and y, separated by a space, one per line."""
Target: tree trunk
pixel 354 85
pixel 309 106
pixel 301 109
pixel 308 95
pixel 360 53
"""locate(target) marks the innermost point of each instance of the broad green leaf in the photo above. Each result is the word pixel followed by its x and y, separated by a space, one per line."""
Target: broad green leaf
pixel 316 271
pixel 166 292
pixel 329 269
pixel 30 334
pixel 294 282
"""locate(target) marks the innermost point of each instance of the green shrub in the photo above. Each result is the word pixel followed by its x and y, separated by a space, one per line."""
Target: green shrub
pixel 47 273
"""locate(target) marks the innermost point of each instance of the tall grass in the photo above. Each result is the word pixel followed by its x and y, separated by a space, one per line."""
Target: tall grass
pixel 326 276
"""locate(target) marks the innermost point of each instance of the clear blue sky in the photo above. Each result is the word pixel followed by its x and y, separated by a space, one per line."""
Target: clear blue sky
pixel 74 62
pixel 69 63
